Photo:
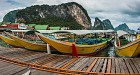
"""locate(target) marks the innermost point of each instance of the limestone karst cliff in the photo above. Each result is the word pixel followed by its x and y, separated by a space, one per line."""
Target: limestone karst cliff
pixel 70 13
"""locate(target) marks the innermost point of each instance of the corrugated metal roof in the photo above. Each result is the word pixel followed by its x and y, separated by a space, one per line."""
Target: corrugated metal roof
pixel 31 25
pixel 41 27
pixel 54 28
pixel 12 26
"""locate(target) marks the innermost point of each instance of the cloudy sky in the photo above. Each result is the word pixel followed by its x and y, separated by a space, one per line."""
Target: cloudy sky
pixel 117 11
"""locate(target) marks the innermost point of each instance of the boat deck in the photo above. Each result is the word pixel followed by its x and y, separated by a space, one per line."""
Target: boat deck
pixel 17 61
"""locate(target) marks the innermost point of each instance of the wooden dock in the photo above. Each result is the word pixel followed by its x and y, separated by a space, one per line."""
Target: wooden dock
pixel 16 61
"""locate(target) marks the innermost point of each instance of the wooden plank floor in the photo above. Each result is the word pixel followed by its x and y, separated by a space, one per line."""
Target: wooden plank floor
pixel 11 69
pixel 17 61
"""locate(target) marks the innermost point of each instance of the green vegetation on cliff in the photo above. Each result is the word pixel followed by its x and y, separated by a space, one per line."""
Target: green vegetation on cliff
pixel 53 22
pixel 10 17
pixel 70 15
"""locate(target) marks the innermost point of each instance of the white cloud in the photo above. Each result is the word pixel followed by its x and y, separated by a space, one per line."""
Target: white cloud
pixel 133 26
pixel 118 11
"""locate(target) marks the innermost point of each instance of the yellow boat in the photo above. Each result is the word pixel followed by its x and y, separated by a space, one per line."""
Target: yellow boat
pixel 130 50
pixel 28 45
pixel 67 47
pixel 10 41
pixel 138 36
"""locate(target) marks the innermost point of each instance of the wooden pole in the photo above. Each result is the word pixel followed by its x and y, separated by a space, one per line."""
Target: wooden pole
pixel 48 49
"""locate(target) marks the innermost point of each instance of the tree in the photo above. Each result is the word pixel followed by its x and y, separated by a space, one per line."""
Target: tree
pixel 20 20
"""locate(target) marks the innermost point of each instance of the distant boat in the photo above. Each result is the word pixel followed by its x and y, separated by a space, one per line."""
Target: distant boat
pixel 27 44
pixel 10 41
pixel 132 49
pixel 66 48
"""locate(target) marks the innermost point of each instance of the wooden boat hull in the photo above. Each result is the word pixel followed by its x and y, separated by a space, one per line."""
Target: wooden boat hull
pixel 10 41
pixel 29 45
pixel 130 50
pixel 67 47
pixel 138 36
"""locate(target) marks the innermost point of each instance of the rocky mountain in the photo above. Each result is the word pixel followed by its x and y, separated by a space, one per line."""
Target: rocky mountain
pixel 108 24
pixel 98 24
pixel 102 25
pixel 70 15
pixel 124 27
pixel 10 17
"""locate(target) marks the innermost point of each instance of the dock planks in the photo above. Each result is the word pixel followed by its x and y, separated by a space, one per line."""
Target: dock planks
pixel 20 60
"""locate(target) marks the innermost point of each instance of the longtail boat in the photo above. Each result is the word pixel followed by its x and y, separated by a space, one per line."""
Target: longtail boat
pixel 138 36
pixel 131 49
pixel 10 41
pixel 27 44
pixel 66 48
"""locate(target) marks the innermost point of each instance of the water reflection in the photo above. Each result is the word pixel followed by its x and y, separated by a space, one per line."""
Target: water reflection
pixel 111 52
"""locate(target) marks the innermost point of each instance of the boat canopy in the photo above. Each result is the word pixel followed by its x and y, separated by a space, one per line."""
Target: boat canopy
pixel 78 32
pixel 121 32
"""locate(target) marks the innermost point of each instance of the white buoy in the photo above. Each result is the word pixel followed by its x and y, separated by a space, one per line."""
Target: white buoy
pixel 48 49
